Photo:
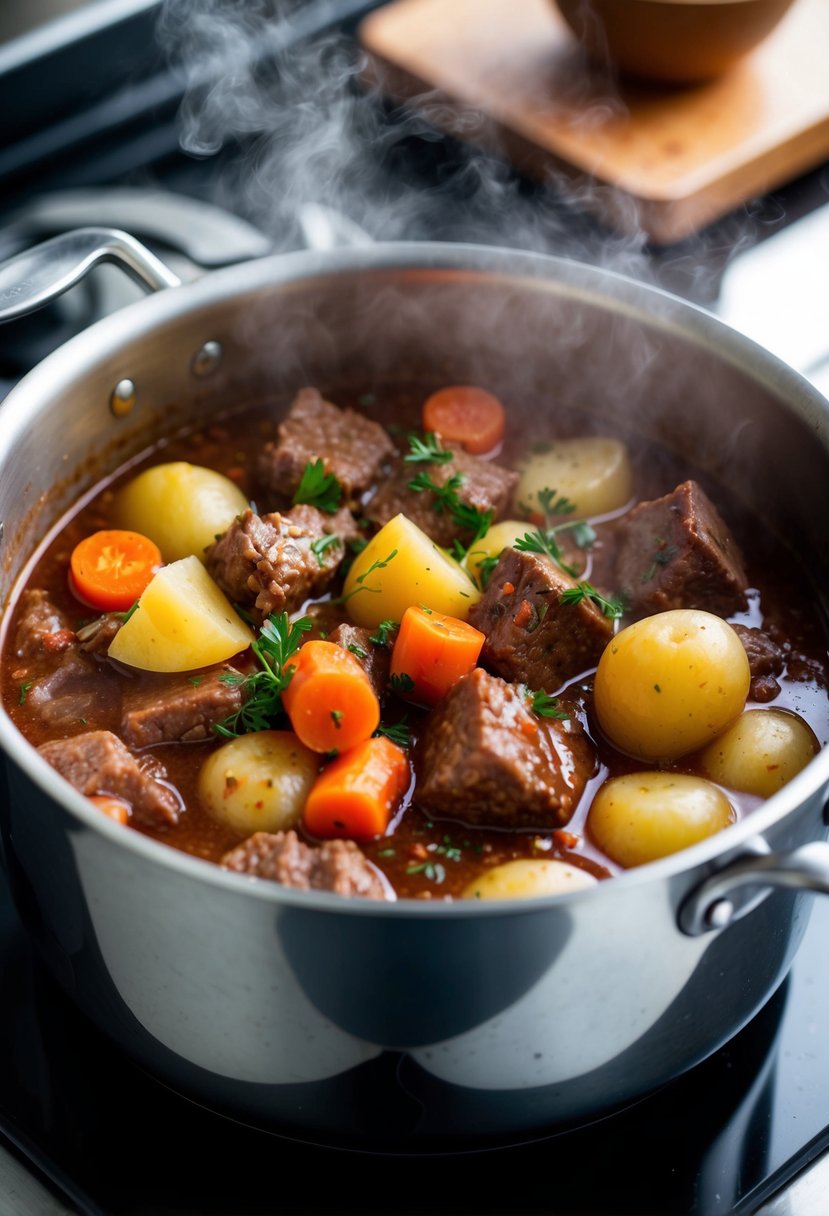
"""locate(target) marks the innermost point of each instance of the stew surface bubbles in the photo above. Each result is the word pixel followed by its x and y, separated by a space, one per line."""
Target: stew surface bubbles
pixel 429 658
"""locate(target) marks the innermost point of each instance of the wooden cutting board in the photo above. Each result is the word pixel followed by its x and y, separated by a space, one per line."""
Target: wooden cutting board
pixel 508 75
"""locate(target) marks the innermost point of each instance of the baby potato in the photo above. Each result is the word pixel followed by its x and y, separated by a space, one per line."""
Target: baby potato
pixel 761 751
pixel 593 472
pixel 182 507
pixel 409 568
pixel 643 816
pixel 258 782
pixel 492 544
pixel 182 621
pixel 670 683
pixel 528 879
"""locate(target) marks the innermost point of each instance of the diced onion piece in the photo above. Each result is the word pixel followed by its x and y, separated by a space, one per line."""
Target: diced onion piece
pixel 258 782
pixel 640 817
pixel 402 566
pixel 182 507
pixel 670 683
pixel 761 751
pixel 528 879
pixel 593 472
pixel 182 621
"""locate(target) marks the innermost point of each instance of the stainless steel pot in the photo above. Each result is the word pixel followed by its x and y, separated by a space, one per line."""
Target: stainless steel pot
pixel 411 1024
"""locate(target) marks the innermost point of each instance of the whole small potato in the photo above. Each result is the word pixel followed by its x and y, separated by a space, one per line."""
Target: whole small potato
pixel 593 472
pixel 761 751
pixel 670 683
pixel 182 507
pixel 258 782
pixel 643 816
pixel 528 879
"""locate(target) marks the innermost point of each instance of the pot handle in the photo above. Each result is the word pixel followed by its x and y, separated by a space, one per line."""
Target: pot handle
pixel 38 275
pixel 740 886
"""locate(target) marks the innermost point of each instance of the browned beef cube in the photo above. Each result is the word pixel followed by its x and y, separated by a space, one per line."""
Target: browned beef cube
pixel 77 689
pixel 351 446
pixel 765 661
pixel 677 552
pixel 40 626
pixel 169 709
pixel 99 763
pixel 486 486
pixel 374 660
pixel 487 759
pixel 531 636
pixel 97 636
pixel 270 563
pixel 335 865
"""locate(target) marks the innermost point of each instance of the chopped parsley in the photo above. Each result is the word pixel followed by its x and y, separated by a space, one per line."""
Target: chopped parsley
pixel 337 718
pixel 195 680
pixel 318 488
pixel 357 650
pixel 402 682
pixel 427 450
pixel 319 546
pixel 544 542
pixel 661 557
pixel 24 692
pixel 612 608
pixel 545 706
pixel 381 637
pixel 278 640
pixel 432 870
pixel 446 496
pixel 398 732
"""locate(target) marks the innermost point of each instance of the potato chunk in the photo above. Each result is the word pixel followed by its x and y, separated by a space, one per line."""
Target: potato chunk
pixel 182 507
pixel 402 566
pixel 761 751
pixel 593 472
pixel 670 683
pixel 182 621
pixel 529 879
pixel 258 782
pixel 642 816
pixel 492 544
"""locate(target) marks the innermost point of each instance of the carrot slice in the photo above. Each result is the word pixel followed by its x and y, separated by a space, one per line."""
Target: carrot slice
pixel 109 570
pixel 358 793
pixel 466 415
pixel 330 700
pixel 434 651
pixel 113 808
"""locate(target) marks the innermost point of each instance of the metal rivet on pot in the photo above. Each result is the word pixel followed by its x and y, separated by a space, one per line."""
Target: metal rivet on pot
pixel 719 914
pixel 123 398
pixel 206 359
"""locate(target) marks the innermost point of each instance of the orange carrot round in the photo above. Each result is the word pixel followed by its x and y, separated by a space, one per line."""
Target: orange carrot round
pixel 330 700
pixel 467 415
pixel 113 808
pixel 110 569
pixel 433 651
pixel 358 793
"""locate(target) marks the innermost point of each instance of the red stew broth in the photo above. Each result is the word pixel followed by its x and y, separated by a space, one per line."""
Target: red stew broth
pixel 425 858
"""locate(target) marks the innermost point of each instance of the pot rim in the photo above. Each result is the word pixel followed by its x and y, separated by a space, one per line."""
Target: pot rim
pixel 611 291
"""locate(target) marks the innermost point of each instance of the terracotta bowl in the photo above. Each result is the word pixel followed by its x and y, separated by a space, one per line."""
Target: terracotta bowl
pixel 674 41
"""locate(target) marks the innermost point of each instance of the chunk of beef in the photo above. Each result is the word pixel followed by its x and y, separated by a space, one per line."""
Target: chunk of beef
pixel 351 446
pixel 99 763
pixel 765 660
pixel 97 636
pixel 677 552
pixel 75 691
pixel 374 660
pixel 486 486
pixel 531 636
pixel 335 865
pixel 179 708
pixel 41 626
pixel 485 758
pixel 269 562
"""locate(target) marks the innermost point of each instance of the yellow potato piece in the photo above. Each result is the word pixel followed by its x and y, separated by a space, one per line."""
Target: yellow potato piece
pixel 761 751
pixel 401 566
pixel 258 782
pixel 643 816
pixel 182 621
pixel 499 537
pixel 528 879
pixel 594 472
pixel 182 507
pixel 670 683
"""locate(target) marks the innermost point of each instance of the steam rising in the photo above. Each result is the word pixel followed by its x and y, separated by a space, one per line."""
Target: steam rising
pixel 310 131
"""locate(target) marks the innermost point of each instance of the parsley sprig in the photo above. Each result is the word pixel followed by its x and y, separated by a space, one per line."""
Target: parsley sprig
pixel 322 544
pixel 541 541
pixel 612 608
pixel 398 732
pixel 317 488
pixel 427 450
pixel 545 706
pixel 446 496
pixel 279 639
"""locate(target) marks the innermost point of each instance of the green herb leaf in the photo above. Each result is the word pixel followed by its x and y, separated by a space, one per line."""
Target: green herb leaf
pixel 662 557
pixel 546 543
pixel 427 450
pixel 361 579
pixel 125 616
pixel 384 629
pixel 401 683
pixel 319 546
pixel 612 608
pixel 432 870
pixel 357 650
pixel 545 706
pixel 318 488
pixel 24 692
pixel 398 732
pixel 446 496
pixel 278 640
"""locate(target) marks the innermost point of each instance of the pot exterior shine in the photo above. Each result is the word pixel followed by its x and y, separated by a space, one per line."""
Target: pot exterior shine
pixel 408 1025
